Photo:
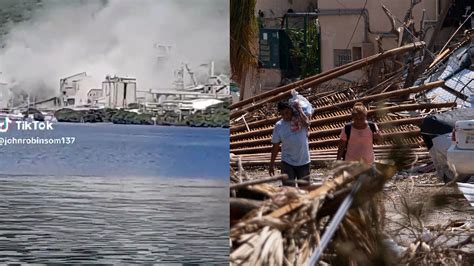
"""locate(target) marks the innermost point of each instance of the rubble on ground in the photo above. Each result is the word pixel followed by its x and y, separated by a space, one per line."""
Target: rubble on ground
pixel 278 225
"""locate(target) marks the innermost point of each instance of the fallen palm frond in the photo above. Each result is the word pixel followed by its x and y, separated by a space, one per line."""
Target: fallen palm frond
pixel 259 181
pixel 243 31
pixel 286 229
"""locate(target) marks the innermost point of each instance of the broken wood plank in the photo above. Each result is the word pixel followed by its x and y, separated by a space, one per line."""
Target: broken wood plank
pixel 258 181
pixel 328 186
pixel 332 184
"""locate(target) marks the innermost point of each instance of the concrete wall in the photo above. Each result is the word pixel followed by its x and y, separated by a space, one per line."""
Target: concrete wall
pixel 261 80
pixel 76 87
pixel 93 95
pixel 336 31
pixel 4 95
pixel 275 9
pixel 83 87
pixel 117 96
pixel 279 7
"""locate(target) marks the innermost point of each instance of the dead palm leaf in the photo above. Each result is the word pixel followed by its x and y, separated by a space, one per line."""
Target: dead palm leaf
pixel 243 31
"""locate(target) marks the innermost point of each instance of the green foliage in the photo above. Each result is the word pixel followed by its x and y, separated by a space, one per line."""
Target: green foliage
pixel 109 113
pixel 309 56
pixel 124 117
pixel 220 118
pixel 135 106
pixel 68 115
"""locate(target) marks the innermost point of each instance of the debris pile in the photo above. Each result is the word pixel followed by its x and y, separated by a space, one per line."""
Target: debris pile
pixel 287 228
pixel 390 107
pixel 272 225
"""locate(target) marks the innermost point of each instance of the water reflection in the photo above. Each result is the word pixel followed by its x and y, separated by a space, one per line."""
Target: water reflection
pixel 112 220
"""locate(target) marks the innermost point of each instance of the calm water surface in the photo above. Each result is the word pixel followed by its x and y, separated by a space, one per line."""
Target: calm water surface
pixel 119 194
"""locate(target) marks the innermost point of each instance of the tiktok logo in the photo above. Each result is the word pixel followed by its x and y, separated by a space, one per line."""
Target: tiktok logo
pixel 4 124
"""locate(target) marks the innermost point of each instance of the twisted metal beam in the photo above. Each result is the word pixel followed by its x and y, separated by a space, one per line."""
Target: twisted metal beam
pixel 318 79
pixel 327 132
pixel 338 118
pixel 350 103
pixel 332 141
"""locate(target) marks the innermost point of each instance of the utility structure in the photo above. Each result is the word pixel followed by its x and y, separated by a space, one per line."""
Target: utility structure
pixel 119 91
pixel 179 73
pixel 68 88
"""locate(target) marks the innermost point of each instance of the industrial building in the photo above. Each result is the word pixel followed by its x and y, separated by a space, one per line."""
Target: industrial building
pixel 81 90
pixel 74 89
pixel 118 92
pixel 4 95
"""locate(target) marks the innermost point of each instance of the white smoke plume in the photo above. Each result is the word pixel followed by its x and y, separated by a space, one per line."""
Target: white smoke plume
pixel 114 37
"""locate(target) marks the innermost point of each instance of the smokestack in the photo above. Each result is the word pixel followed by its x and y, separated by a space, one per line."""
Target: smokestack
pixel 97 49
pixel 212 68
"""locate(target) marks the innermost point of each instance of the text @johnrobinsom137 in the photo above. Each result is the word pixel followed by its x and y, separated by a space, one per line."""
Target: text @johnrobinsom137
pixel 4 141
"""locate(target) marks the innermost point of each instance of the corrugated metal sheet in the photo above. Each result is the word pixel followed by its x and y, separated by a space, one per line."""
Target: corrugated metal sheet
pixel 468 190
pixel 456 75
pixel 459 82
pixel 456 62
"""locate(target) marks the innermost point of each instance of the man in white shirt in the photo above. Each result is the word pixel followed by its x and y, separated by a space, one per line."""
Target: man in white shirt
pixel 291 131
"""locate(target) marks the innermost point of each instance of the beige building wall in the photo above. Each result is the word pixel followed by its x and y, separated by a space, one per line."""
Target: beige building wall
pixel 336 31
pixel 4 95
pixel 275 9
pixel 261 80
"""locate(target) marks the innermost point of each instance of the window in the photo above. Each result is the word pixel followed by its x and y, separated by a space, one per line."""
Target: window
pixel 342 57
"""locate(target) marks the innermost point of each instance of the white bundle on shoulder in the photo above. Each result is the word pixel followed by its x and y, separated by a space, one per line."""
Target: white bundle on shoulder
pixel 302 101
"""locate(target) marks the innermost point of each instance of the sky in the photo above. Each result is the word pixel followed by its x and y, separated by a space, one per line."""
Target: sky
pixel 113 37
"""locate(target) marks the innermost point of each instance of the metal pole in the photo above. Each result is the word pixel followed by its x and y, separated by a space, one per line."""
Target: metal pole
pixel 331 229
pixel 462 90
pixel 452 36
pixel 284 91
pixel 318 36
pixel 305 40
pixel 288 57
pixel 258 181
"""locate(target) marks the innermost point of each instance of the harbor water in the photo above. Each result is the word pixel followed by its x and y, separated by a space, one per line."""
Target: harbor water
pixel 118 194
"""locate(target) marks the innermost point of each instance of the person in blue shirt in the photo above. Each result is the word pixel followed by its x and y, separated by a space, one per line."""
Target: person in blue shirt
pixel 291 132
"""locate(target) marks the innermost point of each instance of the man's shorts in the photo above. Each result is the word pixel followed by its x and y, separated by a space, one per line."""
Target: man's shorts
pixel 295 172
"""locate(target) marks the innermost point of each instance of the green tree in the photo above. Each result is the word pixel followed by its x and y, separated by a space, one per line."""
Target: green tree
pixel 309 56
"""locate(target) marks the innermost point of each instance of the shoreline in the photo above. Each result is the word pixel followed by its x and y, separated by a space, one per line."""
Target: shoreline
pixel 218 119
pixel 132 124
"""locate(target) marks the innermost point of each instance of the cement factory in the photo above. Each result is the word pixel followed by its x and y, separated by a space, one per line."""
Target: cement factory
pixel 80 91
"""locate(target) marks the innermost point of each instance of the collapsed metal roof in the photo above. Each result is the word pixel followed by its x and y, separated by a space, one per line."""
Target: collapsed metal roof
pixel 458 77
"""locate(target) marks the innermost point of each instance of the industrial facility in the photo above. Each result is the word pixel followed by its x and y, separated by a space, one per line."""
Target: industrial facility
pixel 82 91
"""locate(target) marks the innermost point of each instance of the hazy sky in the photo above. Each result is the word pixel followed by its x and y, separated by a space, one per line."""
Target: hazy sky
pixel 65 37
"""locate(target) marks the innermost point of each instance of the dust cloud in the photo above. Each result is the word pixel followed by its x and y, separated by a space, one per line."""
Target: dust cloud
pixel 115 37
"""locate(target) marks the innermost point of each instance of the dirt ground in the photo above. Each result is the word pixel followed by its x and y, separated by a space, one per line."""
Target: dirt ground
pixel 418 207
pixel 433 207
